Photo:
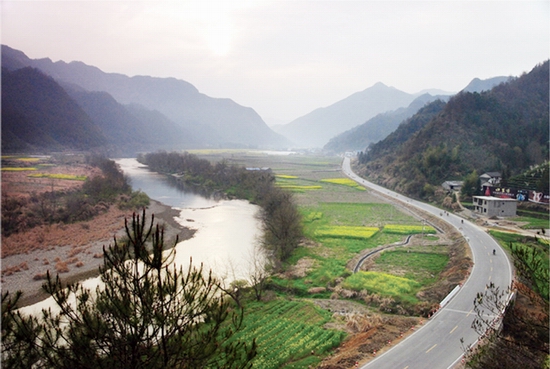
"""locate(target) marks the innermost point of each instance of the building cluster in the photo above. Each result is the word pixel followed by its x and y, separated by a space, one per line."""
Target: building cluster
pixel 497 200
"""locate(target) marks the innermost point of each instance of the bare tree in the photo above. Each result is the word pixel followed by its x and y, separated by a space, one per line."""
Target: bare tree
pixel 281 223
pixel 259 271
pixel 513 334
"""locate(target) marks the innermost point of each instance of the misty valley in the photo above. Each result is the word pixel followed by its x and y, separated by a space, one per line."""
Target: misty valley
pixel 146 224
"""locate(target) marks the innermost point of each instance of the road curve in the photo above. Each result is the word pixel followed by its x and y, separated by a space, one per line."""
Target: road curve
pixel 436 344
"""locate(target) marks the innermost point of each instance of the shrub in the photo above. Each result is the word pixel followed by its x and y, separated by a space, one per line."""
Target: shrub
pixel 61 267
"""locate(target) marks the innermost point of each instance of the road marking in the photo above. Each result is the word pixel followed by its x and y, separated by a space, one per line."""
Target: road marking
pixel 469 312
pixel 491 269
pixel 490 277
pixel 459 311
pixel 452 330
pixel 407 367
pixel 431 348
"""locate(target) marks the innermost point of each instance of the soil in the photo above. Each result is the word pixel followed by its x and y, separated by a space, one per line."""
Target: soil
pixel 74 251
pixel 370 334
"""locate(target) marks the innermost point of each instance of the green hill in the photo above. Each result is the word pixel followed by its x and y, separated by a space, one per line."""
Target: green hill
pixel 505 129
pixel 37 115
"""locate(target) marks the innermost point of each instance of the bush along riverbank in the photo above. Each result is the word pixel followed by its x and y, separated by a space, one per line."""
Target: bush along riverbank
pixel 279 215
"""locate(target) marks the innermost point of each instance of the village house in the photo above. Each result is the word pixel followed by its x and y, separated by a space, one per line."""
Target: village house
pixel 452 185
pixel 490 206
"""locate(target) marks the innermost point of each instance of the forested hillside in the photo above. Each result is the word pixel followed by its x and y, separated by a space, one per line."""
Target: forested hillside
pixel 377 128
pixel 187 116
pixel 40 115
pixel 37 114
pixel 316 128
pixel 131 128
pixel 504 129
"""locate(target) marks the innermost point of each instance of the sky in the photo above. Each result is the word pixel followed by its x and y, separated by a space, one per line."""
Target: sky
pixel 286 58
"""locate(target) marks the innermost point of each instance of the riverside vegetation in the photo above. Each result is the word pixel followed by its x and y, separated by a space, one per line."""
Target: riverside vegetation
pixel 340 222
pixel 308 297
pixel 80 203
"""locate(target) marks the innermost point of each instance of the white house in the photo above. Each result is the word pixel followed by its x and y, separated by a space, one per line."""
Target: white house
pixel 490 206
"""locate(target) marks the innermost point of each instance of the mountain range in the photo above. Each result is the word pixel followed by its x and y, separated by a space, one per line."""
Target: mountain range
pixel 37 113
pixel 315 129
pixel 126 107
pixel 378 127
pixel 118 114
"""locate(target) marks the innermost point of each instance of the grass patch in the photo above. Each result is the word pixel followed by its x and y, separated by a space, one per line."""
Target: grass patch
pixel 383 284
pixel 347 232
pixel 408 229
pixel 533 222
pixel 531 258
pixel 287 331
pixel 285 176
pixel 17 169
pixel 344 182
pixel 423 267
pixel 312 216
pixel 360 214
pixel 71 177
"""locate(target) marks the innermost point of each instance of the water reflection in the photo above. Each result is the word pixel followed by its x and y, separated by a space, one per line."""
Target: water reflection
pixel 164 188
pixel 227 230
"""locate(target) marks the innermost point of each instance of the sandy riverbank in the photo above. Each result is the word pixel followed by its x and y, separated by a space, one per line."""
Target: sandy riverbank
pixel 21 271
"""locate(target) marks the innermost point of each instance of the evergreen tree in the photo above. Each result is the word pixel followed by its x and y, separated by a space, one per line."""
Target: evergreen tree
pixel 148 314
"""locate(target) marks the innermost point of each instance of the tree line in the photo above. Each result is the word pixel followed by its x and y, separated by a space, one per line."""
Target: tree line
pixel 151 314
pixel 279 215
pixel 69 206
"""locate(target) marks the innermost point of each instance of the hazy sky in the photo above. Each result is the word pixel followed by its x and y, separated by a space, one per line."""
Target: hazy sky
pixel 287 58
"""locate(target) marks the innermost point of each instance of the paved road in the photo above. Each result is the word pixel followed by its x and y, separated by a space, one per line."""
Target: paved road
pixel 436 345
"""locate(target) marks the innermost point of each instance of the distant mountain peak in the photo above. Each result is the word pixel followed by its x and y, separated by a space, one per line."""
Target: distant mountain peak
pixel 319 126
pixel 479 85
pixel 379 84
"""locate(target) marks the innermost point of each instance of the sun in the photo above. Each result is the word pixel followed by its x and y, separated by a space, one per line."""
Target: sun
pixel 219 36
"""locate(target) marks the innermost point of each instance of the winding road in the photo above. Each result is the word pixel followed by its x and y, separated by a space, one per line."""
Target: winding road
pixel 436 345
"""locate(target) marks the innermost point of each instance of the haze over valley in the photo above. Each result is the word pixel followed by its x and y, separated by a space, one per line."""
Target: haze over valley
pixel 132 114
pixel 335 184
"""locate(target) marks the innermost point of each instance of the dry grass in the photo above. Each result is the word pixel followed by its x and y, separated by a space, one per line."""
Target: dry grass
pixel 61 267
pixel 18 184
pixel 105 226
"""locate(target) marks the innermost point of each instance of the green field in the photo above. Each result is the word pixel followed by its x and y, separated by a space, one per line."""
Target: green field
pixel 533 222
pixel 347 232
pixel 383 284
pixel 408 229
pixel 340 221
pixel 58 176
pixel 286 332
pixel 534 256
pixel 420 265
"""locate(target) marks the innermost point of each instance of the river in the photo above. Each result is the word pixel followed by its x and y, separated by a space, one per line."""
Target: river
pixel 226 234
pixel 226 230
